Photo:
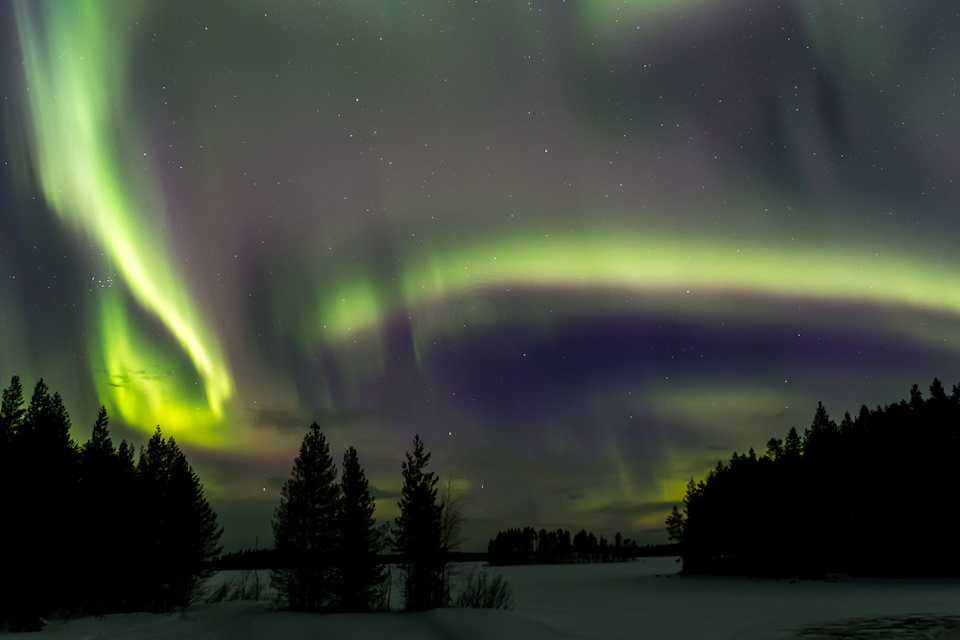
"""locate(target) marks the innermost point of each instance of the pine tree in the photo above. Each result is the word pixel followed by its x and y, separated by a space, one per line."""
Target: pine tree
pixel 618 546
pixel 936 390
pixel 361 578
pixel 419 533
pixel 11 414
pixel 177 524
pixel 47 504
pixel 822 434
pixel 305 528
pixel 792 446
pixel 126 540
pixel 11 557
pixel 774 449
pixel 916 398
pixel 100 483
pixel 675 523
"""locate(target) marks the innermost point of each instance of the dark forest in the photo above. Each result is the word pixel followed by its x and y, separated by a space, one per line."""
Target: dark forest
pixel 875 495
pixel 87 529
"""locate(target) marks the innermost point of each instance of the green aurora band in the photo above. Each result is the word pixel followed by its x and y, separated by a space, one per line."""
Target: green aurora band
pixel 88 164
pixel 659 264
pixel 74 67
pixel 583 249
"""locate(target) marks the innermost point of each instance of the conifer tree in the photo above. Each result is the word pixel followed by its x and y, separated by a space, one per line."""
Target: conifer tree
pixel 419 533
pixel 822 434
pixel 675 522
pixel 47 456
pixel 11 413
pixel 125 458
pixel 11 557
pixel 126 542
pixel 177 525
pixel 305 528
pixel 360 576
pixel 936 390
pixel 100 483
pixel 792 445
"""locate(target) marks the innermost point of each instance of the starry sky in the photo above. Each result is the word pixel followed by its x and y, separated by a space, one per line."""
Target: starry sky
pixel 584 249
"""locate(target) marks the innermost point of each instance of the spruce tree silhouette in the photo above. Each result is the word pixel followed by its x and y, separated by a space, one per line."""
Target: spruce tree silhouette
pixel 675 526
pixel 361 577
pixel 46 462
pixel 13 563
pixel 418 535
pixel 100 483
pixel 178 528
pixel 125 540
pixel 305 528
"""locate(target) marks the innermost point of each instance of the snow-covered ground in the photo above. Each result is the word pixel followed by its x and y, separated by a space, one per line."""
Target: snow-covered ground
pixel 640 599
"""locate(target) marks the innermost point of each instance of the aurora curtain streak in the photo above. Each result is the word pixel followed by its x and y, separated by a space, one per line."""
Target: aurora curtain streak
pixel 86 157
pixel 582 248
pixel 99 176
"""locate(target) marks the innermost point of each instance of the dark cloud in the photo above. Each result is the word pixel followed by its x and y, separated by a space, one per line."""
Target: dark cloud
pixel 384 494
pixel 568 493
pixel 285 420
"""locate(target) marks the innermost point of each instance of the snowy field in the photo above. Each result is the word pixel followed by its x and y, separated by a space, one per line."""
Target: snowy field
pixel 640 599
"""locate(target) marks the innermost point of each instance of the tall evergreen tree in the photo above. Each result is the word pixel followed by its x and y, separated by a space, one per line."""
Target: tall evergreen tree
pixel 305 528
pixel 774 449
pixel 47 462
pixel 675 522
pixel 100 482
pixel 361 577
pixel 11 557
pixel 178 526
pixel 916 398
pixel 125 541
pixel 821 437
pixel 792 446
pixel 419 534
pixel 11 413
pixel 936 390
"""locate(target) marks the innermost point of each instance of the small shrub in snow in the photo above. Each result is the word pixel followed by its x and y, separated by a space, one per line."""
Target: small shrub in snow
pixel 218 594
pixel 483 591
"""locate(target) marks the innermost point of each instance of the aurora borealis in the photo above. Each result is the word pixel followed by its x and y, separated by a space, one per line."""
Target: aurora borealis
pixel 585 249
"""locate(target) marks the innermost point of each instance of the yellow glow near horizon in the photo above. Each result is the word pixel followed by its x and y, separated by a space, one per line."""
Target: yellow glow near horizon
pixel 145 385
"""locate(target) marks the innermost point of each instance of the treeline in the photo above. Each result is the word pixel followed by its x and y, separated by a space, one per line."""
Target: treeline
pixel 92 528
pixel 269 559
pixel 528 546
pixel 875 495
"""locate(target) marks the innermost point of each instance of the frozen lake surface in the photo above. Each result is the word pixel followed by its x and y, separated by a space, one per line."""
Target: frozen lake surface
pixel 644 598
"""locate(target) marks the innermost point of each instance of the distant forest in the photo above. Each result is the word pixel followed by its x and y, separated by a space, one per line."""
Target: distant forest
pixel 528 546
pixel 86 529
pixel 875 495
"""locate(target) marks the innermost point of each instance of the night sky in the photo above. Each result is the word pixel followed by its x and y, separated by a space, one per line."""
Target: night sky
pixel 584 248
